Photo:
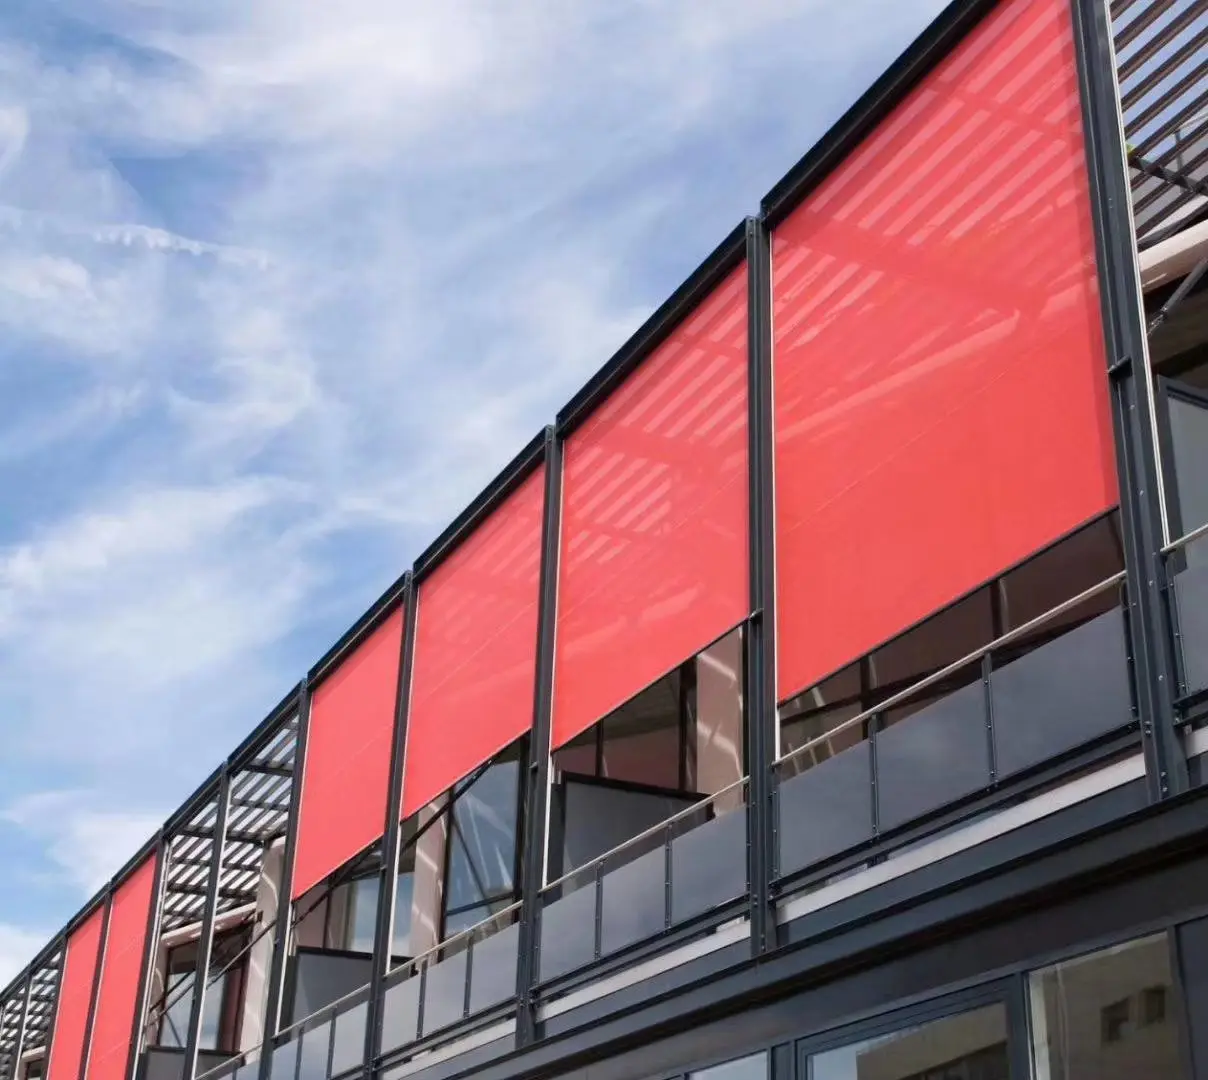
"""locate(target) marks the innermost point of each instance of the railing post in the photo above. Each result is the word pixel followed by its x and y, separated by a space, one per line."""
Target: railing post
pixel 383 942
pixel 205 943
pixel 760 635
pixel 282 927
pixel 537 779
pixel 1131 390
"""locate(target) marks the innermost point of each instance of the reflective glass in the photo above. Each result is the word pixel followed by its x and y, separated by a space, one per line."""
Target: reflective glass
pixel 1191 605
pixel 1189 444
pixel 316 1043
pixel 568 932
pixel 754 1067
pixel 493 971
pixel 1110 1014
pixel 634 900
pixel 933 755
pixel 348 1051
pixel 400 1014
pixel 709 865
pixel 445 992
pixel 1062 694
pixel 969 1046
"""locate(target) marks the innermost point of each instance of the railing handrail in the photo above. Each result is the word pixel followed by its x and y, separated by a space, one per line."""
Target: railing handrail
pixel 415 961
pixel 956 665
pixel 645 834
pixel 1187 539
pixel 332 1007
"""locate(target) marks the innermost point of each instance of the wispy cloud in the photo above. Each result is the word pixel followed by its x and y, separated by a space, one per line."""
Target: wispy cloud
pixel 281 285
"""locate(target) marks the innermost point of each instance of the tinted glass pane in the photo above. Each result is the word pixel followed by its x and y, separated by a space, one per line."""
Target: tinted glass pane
pixel 493 972
pixel 482 853
pixel 349 1050
pixel 971 1046
pixel 635 901
pixel 400 1014
pixel 826 809
pixel 315 1045
pixel 709 865
pixel 1113 1013
pixel 445 992
pixel 754 1067
pixel 943 639
pixel 1061 694
pixel 1191 603
pixel 933 756
pixel 285 1061
pixel 1189 443
pixel 568 933
pixel 1078 563
pixel 642 738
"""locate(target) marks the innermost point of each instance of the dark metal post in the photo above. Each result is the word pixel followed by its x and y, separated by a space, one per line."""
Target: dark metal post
pixel 97 973
pixel 22 1019
pixel 533 871
pixel 276 973
pixel 761 632
pixel 1132 417
pixel 383 941
pixel 205 943
pixel 150 945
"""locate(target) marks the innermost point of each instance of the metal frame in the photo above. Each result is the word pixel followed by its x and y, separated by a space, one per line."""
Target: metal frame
pixel 392 830
pixel 537 779
pixel 97 975
pixel 1132 416
pixel 205 942
pixel 283 921
pixel 762 734
pixel 150 947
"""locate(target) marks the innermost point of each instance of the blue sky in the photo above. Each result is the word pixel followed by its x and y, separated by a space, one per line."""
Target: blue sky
pixel 282 285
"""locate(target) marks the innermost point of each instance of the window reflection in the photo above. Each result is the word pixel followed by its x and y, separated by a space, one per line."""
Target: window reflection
pixel 1107 1016
pixel 971 1046
pixel 754 1067
pixel 482 845
pixel 223 997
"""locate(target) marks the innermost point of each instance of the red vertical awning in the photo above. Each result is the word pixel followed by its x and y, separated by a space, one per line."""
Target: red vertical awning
pixel 476 648
pixel 940 375
pixel 347 769
pixel 654 517
pixel 83 953
pixel 119 992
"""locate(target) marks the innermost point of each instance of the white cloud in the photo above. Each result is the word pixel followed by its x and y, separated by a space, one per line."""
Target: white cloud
pixel 18 946
pixel 394 237
pixel 86 845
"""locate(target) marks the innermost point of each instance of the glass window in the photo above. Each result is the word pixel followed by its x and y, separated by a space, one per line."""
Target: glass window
pixel 969 1046
pixel 223 997
pixel 754 1067
pixel 1107 1016
pixel 482 846
pixel 1189 444
pixel 643 739
pixel 363 905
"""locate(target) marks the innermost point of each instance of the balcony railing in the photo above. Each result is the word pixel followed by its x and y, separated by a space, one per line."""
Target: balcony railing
pixel 1028 697
pixel 1187 573
pixel 469 974
pixel 672 874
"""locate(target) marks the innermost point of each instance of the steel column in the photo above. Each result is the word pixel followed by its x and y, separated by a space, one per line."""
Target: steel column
pixel 383 940
pixel 282 926
pixel 205 943
pixel 537 780
pixel 94 995
pixel 1132 414
pixel 150 945
pixel 761 631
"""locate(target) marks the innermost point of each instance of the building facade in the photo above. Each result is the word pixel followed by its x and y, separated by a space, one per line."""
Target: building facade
pixel 819 697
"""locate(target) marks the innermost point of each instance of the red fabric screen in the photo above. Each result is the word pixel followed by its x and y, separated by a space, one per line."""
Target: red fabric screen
pixel 347 769
pixel 941 395
pixel 67 1050
pixel 118 996
pixel 654 520
pixel 476 648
